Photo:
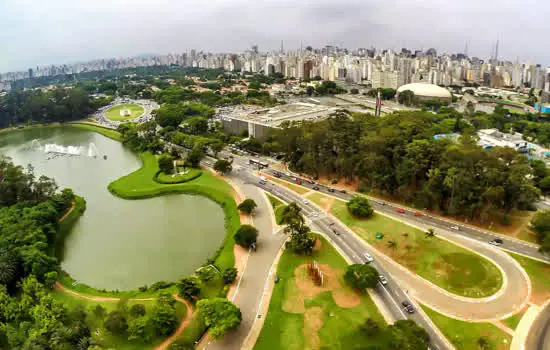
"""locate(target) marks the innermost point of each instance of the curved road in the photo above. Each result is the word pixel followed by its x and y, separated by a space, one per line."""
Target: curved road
pixel 539 334
pixel 513 295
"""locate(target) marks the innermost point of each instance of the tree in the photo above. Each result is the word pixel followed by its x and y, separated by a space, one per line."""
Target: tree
pixel 50 278
pixel 246 235
pixel 247 206
pixel 371 327
pixel 406 98
pixel 430 233
pixel 8 267
pixel 354 91
pixel 360 207
pixel 116 322
pixel 223 166
pixel 484 343
pixel 166 163
pixel 206 273
pixel 194 157
pixel 219 315
pixel 137 329
pixel 188 287
pixel 229 275
pixel 99 312
pixel 407 335
pixel 361 276
pixel 301 240
pixel 163 319
pixel 137 310
pixel 541 225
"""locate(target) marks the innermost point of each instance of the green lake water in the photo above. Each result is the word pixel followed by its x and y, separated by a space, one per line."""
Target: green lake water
pixel 119 244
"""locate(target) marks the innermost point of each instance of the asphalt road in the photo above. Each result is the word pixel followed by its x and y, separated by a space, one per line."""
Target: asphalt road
pixel 391 294
pixel 390 209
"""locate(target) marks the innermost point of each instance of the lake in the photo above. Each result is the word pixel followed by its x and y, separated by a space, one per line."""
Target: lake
pixel 118 244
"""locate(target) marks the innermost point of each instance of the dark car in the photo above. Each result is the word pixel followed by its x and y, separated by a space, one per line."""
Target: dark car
pixel 310 181
pixel 316 188
pixel 278 175
pixel 408 307
pixel 330 189
pixel 343 191
pixel 496 241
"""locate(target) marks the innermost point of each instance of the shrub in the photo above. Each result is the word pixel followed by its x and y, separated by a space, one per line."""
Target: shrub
pixel 246 235
pixel 360 206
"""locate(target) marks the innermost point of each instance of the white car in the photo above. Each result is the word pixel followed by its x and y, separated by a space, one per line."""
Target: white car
pixel 455 228
pixel 383 280
pixel 287 173
pixel 305 201
pixel 368 257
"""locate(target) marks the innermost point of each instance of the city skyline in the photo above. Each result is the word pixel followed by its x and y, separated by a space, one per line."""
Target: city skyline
pixel 58 32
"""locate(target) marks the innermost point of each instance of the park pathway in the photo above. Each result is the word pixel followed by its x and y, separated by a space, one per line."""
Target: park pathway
pixel 256 272
pixel 167 341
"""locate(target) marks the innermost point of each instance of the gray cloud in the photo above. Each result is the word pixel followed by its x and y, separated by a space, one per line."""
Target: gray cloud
pixel 35 32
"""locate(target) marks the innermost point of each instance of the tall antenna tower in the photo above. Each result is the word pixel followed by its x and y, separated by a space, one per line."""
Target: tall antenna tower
pixel 496 51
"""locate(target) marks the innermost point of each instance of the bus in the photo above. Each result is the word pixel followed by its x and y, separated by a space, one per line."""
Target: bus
pixel 259 164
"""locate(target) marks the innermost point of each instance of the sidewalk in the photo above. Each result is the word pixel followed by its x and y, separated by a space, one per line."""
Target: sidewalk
pixel 256 272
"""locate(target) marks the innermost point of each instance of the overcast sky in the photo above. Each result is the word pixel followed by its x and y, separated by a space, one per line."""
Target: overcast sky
pixel 39 32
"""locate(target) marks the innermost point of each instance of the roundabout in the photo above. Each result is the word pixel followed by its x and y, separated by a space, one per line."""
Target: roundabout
pixel 124 112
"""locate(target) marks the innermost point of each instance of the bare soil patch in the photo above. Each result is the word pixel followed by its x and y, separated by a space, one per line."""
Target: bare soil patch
pixel 318 245
pixel 313 321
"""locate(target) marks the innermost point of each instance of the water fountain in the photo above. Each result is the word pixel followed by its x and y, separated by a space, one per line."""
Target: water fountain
pixel 92 150
pixel 36 145
pixel 64 150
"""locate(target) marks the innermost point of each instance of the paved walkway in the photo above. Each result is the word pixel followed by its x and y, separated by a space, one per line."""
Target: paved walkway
pixel 256 272
pixel 537 330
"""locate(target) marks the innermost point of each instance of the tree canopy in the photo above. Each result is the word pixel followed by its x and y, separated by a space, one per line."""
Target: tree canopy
pixel 360 206
pixel 361 276
pixel 247 206
pixel 246 235
pixel 219 315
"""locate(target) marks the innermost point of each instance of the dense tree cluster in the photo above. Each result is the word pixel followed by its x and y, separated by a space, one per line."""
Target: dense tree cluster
pixel 398 156
pixel 247 206
pixel 30 317
pixel 246 235
pixel 36 106
pixel 541 226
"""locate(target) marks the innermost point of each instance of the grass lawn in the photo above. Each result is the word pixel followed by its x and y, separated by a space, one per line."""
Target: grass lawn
pixel 278 207
pixel 449 266
pixel 513 321
pixel 110 133
pixel 140 184
pixel 107 340
pixel 465 335
pixel 298 189
pixel 302 315
pixel 113 113
pixel 190 174
pixel 539 273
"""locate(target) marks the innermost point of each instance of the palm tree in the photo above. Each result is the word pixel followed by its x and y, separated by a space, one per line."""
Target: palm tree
pixel 8 267
pixel 430 233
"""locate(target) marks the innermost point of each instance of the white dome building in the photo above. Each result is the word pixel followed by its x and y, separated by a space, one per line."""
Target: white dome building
pixel 425 91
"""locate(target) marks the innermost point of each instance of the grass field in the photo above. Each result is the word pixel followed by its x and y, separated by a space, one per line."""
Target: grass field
pixel 110 133
pixel 300 317
pixel 113 113
pixel 465 335
pixel 107 340
pixel 539 273
pixel 513 321
pixel 177 179
pixel 140 184
pixel 449 266
pixel 278 207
